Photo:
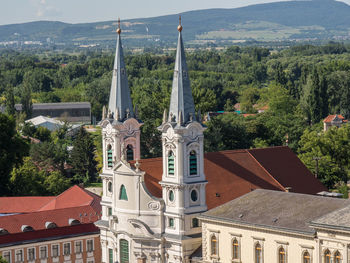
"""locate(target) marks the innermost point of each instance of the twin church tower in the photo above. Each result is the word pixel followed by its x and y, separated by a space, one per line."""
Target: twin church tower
pixel 135 225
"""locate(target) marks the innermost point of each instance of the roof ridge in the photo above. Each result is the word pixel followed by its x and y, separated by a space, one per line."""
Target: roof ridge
pixel 283 188
pixel 48 211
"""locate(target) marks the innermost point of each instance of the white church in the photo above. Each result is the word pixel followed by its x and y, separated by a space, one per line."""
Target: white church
pixel 136 226
pixel 150 207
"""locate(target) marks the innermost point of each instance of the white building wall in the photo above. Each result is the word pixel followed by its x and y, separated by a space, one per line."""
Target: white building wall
pixel 247 237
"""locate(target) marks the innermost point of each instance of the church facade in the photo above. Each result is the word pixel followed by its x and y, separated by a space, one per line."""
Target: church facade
pixel 136 226
pixel 150 207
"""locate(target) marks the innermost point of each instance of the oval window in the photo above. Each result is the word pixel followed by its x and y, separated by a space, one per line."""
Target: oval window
pixel 171 195
pixel 194 195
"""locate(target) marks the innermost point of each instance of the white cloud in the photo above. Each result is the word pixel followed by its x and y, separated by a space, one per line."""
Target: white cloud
pixel 46 10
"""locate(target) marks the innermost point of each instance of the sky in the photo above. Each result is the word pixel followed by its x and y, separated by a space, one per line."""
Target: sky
pixel 81 11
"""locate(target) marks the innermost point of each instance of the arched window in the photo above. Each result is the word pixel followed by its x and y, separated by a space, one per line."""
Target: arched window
pixel 214 245
pixel 129 153
pixel 110 189
pixel 193 163
pixel 122 194
pixel 281 255
pixel 171 163
pixel 337 257
pixel 258 253
pixel 327 256
pixel 235 249
pixel 109 156
pixel 306 257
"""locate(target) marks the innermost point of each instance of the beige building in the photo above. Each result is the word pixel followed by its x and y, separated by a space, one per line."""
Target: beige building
pixel 267 226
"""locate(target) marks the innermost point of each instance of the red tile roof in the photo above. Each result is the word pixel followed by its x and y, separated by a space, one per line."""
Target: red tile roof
pixel 23 204
pixel 73 197
pixel 37 220
pixel 330 118
pixel 48 234
pixel 231 174
pixel 74 203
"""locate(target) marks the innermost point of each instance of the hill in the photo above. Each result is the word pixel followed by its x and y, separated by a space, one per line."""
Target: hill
pixel 293 20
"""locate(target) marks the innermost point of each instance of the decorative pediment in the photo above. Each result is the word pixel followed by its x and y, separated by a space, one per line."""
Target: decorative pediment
pixel 123 167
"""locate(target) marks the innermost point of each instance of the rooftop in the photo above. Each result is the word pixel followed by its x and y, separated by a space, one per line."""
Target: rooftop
pixel 276 209
pixel 75 206
pixel 231 174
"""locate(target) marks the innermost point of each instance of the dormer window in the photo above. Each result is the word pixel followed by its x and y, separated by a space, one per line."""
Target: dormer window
pixel 193 163
pixel 26 228
pixel 3 231
pixel 49 225
pixel 73 222
pixel 129 153
pixel 109 156
pixel 171 163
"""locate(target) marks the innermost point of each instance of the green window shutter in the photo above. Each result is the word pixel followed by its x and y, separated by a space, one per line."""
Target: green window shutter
pixel 124 251
pixel 193 163
pixel 171 222
pixel 110 252
pixel 122 194
pixel 110 158
pixel 171 163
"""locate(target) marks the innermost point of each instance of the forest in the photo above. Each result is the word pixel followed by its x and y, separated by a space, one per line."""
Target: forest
pixel 298 87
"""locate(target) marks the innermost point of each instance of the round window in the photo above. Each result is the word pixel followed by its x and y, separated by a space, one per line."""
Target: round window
pixel 171 195
pixel 194 195
pixel 109 186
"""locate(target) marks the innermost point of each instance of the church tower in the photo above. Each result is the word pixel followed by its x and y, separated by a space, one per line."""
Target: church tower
pixel 183 180
pixel 120 127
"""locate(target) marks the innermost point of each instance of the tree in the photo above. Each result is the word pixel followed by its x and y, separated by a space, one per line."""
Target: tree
pixel 56 183
pixel 10 102
pixel 327 153
pixel 2 260
pixel 249 97
pixel 26 100
pixel 12 150
pixel 83 158
pixel 27 179
pixel 50 155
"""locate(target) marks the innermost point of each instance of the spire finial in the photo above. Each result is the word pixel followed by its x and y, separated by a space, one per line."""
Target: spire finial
pixel 119 30
pixel 179 28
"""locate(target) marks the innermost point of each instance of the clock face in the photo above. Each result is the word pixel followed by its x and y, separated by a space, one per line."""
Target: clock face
pixel 109 128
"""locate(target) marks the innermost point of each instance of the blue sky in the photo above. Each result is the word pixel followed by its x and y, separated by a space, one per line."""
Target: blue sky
pixel 80 11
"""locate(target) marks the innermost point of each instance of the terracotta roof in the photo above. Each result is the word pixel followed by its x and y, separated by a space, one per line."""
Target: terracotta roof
pixel 275 209
pixel 75 203
pixel 329 118
pixel 73 197
pixel 37 220
pixel 23 204
pixel 231 174
pixel 48 234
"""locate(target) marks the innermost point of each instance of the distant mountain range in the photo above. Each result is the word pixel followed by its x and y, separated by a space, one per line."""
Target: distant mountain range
pixel 293 20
